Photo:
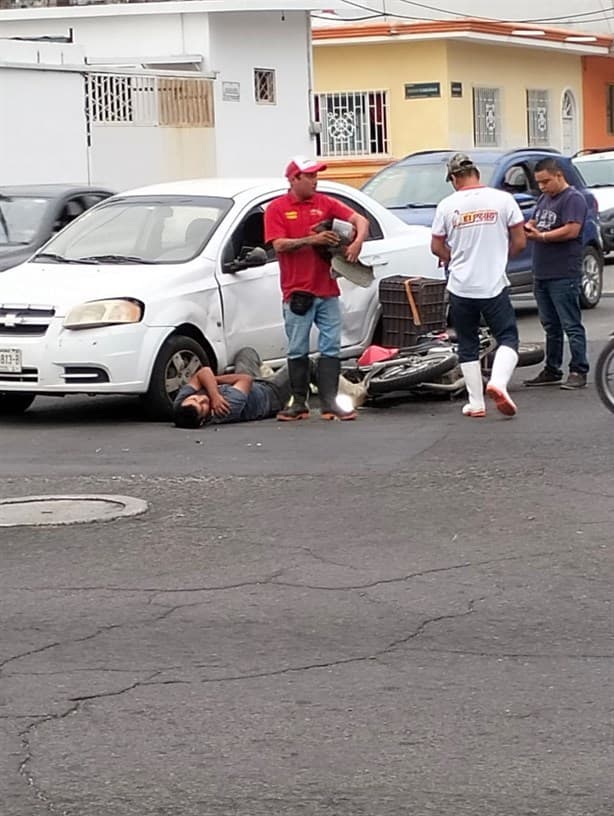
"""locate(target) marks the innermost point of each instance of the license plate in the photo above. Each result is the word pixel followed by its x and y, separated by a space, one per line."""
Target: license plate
pixel 10 361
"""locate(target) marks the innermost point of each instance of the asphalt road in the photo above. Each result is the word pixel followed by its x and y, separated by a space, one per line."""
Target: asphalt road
pixel 409 614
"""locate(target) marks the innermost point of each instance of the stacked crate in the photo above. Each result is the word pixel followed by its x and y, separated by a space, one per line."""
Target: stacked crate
pixel 399 327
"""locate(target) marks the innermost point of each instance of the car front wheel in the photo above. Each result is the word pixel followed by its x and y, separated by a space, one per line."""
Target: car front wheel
pixel 177 361
pixel 592 278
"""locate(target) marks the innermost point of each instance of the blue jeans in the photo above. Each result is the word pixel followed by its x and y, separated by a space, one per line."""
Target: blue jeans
pixel 499 315
pixel 558 301
pixel 326 314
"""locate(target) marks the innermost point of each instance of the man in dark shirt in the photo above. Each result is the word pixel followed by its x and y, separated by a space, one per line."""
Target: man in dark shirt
pixel 239 397
pixel 556 230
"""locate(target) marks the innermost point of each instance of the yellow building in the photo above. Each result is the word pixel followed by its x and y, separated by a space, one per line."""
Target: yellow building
pixel 383 90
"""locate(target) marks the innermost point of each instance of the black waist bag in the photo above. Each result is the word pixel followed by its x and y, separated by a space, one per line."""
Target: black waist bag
pixel 301 302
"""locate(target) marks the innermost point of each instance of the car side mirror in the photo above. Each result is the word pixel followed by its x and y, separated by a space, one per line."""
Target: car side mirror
pixel 249 257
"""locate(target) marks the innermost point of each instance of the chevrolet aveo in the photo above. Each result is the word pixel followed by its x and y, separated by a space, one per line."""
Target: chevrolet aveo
pixel 141 290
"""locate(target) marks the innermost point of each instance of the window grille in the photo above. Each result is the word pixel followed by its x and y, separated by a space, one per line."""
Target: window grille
pixel 185 102
pixel 353 123
pixel 264 86
pixel 149 100
pixel 538 118
pixel 486 117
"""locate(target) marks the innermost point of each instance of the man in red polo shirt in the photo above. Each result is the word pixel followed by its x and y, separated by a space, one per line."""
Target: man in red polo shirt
pixel 310 294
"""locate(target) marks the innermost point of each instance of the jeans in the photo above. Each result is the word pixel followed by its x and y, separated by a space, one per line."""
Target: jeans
pixel 467 313
pixel 326 314
pixel 247 361
pixel 558 301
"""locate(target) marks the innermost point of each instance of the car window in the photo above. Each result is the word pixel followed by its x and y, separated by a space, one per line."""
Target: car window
pixel 20 218
pixel 596 172
pixel 414 184
pixel 71 209
pixel 375 230
pixel 517 180
pixel 169 229
pixel 91 199
pixel 248 234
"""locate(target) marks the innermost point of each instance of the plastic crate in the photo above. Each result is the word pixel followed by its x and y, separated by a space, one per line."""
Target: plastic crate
pixel 398 326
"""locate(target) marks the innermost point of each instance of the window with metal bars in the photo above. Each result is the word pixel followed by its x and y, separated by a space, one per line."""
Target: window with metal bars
pixel 486 117
pixel 353 123
pixel 538 118
pixel 149 100
pixel 264 86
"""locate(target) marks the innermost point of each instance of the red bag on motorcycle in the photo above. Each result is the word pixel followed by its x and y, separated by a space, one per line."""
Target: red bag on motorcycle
pixel 376 354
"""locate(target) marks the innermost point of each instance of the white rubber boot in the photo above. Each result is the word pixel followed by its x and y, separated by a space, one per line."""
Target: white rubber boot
pixel 472 374
pixel 502 369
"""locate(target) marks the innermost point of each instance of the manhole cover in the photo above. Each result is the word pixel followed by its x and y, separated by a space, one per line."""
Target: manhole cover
pixel 44 510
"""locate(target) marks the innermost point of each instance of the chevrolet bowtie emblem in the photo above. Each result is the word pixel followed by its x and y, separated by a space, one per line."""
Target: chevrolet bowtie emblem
pixel 12 320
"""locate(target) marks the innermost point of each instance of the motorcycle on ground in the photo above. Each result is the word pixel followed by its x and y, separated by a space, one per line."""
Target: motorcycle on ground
pixel 428 368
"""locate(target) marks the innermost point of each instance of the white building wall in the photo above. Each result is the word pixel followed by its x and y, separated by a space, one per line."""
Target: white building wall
pixel 142 35
pixel 257 139
pixel 125 156
pixel 43 137
pixel 250 138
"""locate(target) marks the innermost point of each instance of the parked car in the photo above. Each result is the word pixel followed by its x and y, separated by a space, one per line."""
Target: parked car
pixel 596 166
pixel 143 289
pixel 412 187
pixel 31 214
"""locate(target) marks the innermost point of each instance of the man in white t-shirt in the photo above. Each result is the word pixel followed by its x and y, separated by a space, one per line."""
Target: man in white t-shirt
pixel 475 231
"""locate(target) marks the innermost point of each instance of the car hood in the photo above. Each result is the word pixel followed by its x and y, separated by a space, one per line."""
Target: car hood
pixel 13 255
pixel 64 286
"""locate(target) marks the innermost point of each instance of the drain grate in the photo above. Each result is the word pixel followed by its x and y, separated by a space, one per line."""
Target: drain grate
pixel 40 511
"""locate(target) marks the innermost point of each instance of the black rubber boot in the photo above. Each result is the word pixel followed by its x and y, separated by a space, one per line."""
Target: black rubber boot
pixel 328 386
pixel 298 371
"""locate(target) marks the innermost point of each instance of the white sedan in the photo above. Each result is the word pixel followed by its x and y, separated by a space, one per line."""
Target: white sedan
pixel 137 293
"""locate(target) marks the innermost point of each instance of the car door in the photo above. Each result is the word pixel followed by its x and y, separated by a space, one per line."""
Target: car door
pixel 519 180
pixel 251 296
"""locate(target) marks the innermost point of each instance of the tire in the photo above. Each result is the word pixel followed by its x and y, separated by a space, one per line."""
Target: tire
pixel 178 359
pixel 592 278
pixel 12 404
pixel 530 354
pixel 411 371
pixel 604 375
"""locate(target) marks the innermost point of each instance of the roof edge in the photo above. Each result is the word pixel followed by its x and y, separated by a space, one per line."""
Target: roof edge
pixel 466 25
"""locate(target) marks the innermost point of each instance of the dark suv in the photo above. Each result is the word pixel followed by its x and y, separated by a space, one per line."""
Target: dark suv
pixel 412 187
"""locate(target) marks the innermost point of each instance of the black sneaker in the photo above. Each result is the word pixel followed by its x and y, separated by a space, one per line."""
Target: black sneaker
pixel 545 377
pixel 297 411
pixel 575 380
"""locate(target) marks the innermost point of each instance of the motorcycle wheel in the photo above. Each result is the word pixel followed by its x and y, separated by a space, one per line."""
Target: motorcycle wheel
pixel 411 371
pixel 604 375
pixel 530 354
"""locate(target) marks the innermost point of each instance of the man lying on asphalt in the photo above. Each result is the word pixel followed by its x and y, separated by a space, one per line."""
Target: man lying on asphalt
pixel 239 397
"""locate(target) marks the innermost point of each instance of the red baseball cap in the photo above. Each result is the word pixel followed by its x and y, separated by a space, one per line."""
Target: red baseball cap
pixel 301 164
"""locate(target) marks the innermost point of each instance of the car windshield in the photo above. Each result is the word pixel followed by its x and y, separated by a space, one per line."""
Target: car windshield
pixel 414 185
pixel 139 229
pixel 20 218
pixel 597 172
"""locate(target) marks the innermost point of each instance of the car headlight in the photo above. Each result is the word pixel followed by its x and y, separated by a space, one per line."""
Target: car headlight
pixel 103 313
pixel 607 215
